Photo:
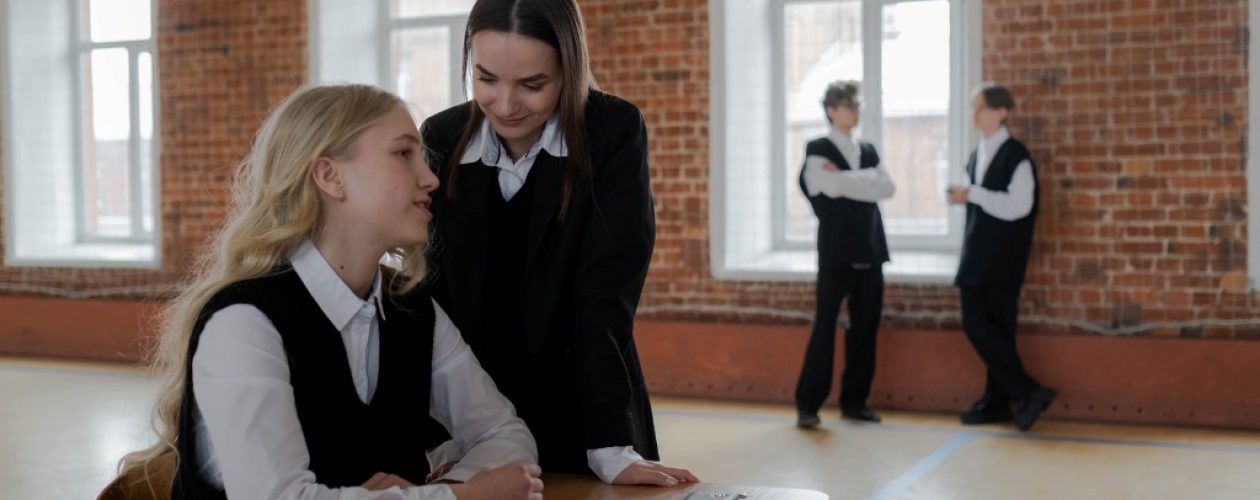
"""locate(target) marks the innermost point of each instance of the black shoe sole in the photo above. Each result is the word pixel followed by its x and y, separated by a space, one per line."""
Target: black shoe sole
pixel 985 419
pixel 847 416
pixel 1028 417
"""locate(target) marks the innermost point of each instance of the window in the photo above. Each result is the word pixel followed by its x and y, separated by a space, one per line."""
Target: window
pixel 774 59
pixel 1253 139
pixel 411 47
pixel 79 136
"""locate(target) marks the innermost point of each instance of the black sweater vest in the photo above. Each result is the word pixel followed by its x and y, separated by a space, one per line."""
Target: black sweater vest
pixel 348 440
pixel 849 231
pixel 503 327
pixel 995 252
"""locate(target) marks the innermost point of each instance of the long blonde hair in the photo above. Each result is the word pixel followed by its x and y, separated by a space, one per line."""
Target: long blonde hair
pixel 275 207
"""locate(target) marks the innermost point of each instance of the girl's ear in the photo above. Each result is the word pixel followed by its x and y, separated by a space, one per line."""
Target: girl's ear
pixel 327 176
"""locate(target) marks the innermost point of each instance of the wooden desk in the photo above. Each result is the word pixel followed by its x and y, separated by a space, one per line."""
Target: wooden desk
pixel 574 487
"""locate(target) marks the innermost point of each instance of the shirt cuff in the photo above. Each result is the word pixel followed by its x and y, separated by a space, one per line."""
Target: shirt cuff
pixel 442 492
pixel 446 453
pixel 607 463
pixel 975 194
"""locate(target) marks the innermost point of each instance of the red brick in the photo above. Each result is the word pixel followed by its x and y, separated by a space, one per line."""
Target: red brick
pixel 1134 155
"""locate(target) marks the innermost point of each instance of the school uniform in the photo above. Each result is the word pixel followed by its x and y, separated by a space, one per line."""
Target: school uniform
pixel 297 388
pixel 1002 206
pixel 852 249
pixel 546 302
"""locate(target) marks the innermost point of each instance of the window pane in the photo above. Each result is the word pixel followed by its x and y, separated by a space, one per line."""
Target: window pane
pixel 105 158
pixel 115 20
pixel 916 115
pixel 822 43
pixel 145 70
pixel 421 8
pixel 422 68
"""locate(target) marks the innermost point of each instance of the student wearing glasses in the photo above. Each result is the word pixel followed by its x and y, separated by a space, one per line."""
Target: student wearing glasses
pixel 843 180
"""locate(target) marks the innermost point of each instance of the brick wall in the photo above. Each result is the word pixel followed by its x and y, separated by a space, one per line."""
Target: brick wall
pixel 221 65
pixel 656 54
pixel 1135 111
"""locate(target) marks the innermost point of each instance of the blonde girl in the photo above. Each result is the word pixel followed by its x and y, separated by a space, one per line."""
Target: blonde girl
pixel 296 365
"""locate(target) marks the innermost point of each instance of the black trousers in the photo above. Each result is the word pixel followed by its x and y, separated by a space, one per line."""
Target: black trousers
pixel 989 316
pixel 865 290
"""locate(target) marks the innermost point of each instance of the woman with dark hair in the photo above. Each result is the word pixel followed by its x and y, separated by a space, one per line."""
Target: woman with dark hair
pixel 546 231
pixel 1001 201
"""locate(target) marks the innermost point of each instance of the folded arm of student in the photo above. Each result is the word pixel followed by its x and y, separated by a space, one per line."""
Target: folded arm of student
pixel 865 184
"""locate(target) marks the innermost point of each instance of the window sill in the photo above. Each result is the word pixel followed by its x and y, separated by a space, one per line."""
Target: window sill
pixel 110 255
pixel 923 267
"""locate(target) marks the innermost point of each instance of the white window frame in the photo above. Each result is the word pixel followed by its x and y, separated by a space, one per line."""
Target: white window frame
pixel 915 259
pixel 363 33
pixel 84 47
pixel 77 248
pixel 1253 147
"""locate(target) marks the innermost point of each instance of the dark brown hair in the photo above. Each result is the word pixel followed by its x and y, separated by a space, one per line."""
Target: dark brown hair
pixel 840 93
pixel 557 23
pixel 996 97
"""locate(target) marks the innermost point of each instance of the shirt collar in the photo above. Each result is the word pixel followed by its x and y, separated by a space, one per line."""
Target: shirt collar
pixel 993 142
pixel 486 147
pixel 335 299
pixel 839 137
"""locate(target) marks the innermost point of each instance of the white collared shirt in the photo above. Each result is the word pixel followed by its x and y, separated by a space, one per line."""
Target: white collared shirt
pixel 1016 201
pixel 860 184
pixel 250 440
pixel 848 147
pixel 485 147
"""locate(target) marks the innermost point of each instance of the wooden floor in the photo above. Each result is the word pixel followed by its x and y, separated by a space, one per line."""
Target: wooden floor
pixel 63 427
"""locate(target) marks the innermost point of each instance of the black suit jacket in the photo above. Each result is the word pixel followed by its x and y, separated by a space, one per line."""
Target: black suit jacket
pixel 582 281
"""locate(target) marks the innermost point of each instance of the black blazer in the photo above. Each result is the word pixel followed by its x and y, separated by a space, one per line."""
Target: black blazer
pixel 582 280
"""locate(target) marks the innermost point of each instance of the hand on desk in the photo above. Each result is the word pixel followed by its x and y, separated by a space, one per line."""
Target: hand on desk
pixel 655 474
pixel 510 482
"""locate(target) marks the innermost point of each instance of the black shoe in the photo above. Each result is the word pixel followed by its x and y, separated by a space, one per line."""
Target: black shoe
pixel 986 411
pixel 807 420
pixel 862 413
pixel 1031 408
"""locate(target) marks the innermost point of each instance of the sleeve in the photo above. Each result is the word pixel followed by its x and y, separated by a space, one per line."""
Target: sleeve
pixel 1013 204
pixel 483 423
pixel 241 386
pixel 865 184
pixel 615 250
pixel 607 463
